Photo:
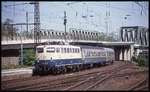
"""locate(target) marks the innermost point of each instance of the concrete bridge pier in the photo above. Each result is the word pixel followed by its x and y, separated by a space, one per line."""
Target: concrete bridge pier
pixel 117 53
pixel 124 53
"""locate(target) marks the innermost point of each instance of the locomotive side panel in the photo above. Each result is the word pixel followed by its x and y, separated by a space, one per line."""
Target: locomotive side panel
pixel 57 56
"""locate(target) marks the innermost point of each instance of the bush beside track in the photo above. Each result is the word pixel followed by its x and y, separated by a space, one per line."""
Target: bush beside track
pixel 143 62
pixel 28 57
pixel 28 60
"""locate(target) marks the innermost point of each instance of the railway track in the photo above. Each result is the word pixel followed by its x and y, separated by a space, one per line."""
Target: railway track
pixel 21 80
pixel 116 76
pixel 62 82
pixel 95 80
pixel 89 77
pixel 140 85
pixel 69 82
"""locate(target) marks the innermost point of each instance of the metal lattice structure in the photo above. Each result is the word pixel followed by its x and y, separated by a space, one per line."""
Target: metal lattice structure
pixel 36 23
pixel 138 35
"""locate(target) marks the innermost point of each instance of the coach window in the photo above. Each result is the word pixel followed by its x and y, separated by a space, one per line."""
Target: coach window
pixel 99 53
pixel 70 50
pixel 51 50
pixel 62 50
pixel 104 54
pixel 95 53
pixel 76 50
pixel 65 50
pixel 89 53
pixel 57 50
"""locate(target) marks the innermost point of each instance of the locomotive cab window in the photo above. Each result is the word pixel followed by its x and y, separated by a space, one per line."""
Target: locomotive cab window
pixel 62 50
pixel 40 50
pixel 78 50
pixel 70 50
pixel 67 50
pixel 57 50
pixel 51 50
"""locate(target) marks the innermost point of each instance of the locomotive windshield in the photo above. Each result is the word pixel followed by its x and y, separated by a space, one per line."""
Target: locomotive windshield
pixel 40 50
pixel 51 49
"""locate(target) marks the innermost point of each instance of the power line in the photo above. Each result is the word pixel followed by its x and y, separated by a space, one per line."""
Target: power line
pixel 18 4
pixel 142 7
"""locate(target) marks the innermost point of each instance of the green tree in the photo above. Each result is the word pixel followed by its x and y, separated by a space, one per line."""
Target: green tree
pixel 28 57
pixel 104 37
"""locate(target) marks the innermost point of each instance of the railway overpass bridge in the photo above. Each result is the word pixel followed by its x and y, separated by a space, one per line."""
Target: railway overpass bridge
pixel 132 41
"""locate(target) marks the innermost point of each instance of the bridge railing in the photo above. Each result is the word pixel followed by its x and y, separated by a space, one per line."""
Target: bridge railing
pixel 78 35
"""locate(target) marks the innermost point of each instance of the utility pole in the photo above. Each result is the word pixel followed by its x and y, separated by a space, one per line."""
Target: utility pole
pixel 27 22
pixel 37 24
pixel 21 49
pixel 106 20
pixel 65 21
pixel 106 27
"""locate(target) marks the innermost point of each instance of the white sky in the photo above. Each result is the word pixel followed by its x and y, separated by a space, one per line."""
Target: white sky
pixel 52 14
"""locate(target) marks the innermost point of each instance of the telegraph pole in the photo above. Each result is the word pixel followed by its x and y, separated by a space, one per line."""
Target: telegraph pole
pixel 65 21
pixel 27 22
pixel 21 49
pixel 36 24
pixel 106 27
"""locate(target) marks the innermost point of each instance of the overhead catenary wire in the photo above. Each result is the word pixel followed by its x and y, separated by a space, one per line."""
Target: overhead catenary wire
pixel 18 4
pixel 143 8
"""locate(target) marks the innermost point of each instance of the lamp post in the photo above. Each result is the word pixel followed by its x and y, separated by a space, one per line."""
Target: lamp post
pixel 21 48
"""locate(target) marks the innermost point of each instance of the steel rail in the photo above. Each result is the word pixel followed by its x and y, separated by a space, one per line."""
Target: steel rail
pixel 138 83
pixel 113 75
pixel 102 74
